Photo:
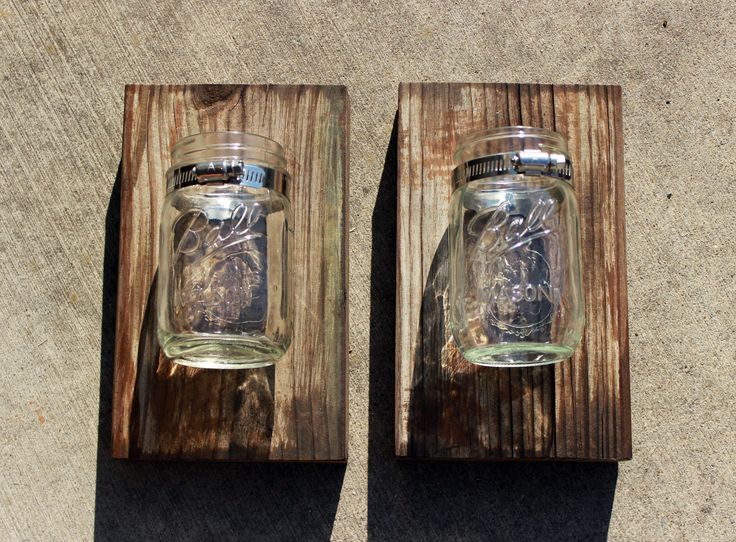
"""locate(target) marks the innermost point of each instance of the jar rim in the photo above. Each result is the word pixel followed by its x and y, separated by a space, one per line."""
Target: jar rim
pixel 229 144
pixel 541 138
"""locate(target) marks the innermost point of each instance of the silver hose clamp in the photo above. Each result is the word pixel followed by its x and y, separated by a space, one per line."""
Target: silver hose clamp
pixel 226 172
pixel 527 162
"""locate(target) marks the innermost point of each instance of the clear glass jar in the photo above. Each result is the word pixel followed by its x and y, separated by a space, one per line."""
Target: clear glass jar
pixel 515 286
pixel 223 274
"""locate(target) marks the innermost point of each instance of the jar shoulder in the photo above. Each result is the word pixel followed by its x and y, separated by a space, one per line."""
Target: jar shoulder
pixel 205 197
pixel 489 193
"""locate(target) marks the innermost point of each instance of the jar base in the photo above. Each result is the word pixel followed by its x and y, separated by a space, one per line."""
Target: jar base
pixel 522 354
pixel 220 352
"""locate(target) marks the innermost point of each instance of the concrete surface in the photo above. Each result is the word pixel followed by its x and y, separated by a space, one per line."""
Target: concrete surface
pixel 63 67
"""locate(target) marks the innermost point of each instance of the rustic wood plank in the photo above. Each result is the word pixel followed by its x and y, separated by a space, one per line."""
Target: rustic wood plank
pixel 449 408
pixel 296 411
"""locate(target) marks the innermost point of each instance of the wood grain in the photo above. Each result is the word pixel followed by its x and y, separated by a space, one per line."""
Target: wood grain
pixel 296 411
pixel 449 408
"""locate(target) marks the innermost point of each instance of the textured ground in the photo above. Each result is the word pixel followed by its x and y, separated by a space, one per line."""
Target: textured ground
pixel 63 67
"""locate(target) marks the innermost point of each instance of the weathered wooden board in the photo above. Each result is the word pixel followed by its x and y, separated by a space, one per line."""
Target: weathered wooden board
pixel 449 408
pixel 297 410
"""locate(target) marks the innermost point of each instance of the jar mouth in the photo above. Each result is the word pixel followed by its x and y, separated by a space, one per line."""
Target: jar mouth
pixel 509 139
pixel 228 145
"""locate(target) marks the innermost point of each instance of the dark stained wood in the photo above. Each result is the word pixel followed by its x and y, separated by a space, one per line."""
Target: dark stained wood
pixel 296 411
pixel 449 408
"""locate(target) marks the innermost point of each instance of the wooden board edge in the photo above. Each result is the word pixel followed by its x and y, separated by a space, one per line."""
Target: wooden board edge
pixel 400 449
pixel 345 355
pixel 626 451
pixel 120 424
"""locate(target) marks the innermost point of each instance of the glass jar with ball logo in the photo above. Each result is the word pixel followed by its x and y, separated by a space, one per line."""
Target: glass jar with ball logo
pixel 223 291
pixel 515 273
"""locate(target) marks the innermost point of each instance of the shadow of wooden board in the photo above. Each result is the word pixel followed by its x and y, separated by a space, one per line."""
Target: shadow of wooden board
pixel 447 408
pixel 297 410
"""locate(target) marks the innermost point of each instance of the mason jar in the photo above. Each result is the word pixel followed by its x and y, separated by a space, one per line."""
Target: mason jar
pixel 224 295
pixel 516 296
